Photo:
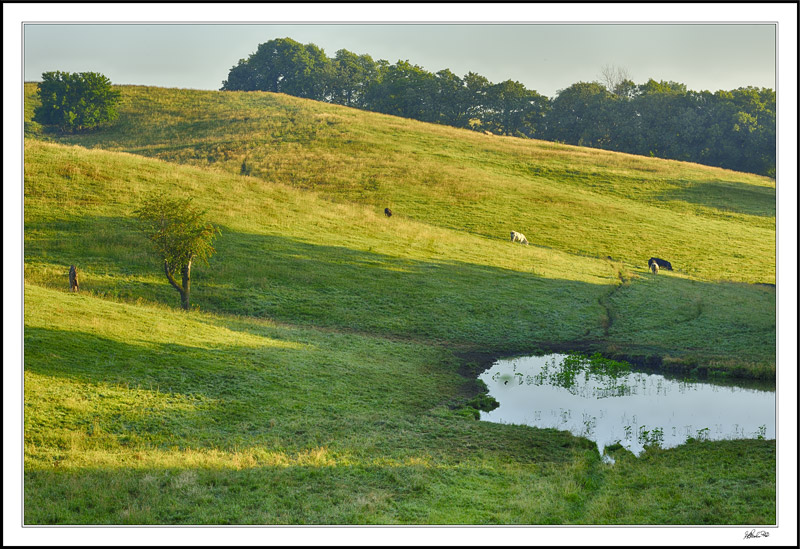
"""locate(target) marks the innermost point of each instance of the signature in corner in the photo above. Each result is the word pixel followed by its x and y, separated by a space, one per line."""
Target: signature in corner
pixel 753 534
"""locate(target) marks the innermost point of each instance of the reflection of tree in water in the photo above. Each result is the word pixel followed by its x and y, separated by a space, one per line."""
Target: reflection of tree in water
pixel 593 376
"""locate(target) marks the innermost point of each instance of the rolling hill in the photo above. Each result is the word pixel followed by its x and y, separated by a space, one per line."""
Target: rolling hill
pixel 333 348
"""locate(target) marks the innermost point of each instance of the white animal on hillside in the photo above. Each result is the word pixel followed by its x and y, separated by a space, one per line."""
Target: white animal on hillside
pixel 518 237
pixel 654 267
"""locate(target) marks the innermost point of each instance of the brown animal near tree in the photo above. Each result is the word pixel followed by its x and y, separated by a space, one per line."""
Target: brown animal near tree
pixel 73 278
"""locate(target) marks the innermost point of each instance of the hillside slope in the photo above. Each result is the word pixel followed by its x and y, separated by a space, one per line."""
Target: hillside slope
pixel 291 255
pixel 712 224
pixel 324 373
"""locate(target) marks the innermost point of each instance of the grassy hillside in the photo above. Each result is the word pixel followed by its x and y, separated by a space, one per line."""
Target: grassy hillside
pixel 292 255
pixel 711 223
pixel 325 354
pixel 142 414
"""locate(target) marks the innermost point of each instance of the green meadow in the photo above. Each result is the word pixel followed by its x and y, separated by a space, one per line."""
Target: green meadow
pixel 324 373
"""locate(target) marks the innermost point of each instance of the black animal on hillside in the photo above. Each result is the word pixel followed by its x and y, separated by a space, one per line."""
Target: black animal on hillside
pixel 388 212
pixel 662 263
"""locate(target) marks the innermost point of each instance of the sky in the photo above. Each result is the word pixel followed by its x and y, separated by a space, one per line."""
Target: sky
pixel 706 46
pixel 544 57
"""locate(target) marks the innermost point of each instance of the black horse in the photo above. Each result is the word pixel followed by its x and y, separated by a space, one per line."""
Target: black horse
pixel 388 212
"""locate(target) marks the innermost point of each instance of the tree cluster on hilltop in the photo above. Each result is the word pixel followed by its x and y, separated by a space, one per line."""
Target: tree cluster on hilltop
pixel 730 129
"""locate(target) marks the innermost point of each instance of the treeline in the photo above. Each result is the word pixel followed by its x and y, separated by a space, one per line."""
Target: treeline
pixel 731 129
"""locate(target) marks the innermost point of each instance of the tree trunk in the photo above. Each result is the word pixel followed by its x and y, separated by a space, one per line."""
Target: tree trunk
pixel 183 288
pixel 185 293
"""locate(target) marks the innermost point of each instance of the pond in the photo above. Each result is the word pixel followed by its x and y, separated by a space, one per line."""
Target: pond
pixel 608 403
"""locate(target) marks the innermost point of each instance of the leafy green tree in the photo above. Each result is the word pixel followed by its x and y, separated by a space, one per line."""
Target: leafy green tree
pixel 579 115
pixel 477 87
pixel 668 119
pixel 374 92
pixel 241 77
pixel 282 65
pixel 451 98
pixel 76 101
pixel 753 129
pixel 405 90
pixel 180 235
pixel 515 110
pixel 351 75
pixel 312 73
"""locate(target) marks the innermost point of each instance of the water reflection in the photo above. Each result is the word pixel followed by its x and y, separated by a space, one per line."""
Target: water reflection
pixel 608 404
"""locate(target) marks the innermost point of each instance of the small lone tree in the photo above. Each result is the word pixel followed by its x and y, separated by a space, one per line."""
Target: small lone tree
pixel 75 101
pixel 180 234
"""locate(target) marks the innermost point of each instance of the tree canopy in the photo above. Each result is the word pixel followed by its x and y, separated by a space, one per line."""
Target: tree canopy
pixel 76 101
pixel 731 129
pixel 180 235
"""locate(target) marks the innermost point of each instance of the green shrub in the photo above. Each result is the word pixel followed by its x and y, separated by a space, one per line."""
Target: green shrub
pixel 75 101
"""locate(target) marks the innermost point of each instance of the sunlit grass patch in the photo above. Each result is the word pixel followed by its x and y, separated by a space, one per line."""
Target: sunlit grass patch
pixel 134 325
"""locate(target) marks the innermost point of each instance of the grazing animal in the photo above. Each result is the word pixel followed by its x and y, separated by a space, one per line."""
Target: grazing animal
pixel 388 212
pixel 663 263
pixel 487 132
pixel 518 237
pixel 73 278
pixel 654 267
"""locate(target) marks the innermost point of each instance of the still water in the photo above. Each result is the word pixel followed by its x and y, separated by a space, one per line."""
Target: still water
pixel 632 408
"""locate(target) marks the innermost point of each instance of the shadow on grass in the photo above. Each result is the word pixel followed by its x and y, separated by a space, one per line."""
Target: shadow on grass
pixel 215 373
pixel 182 398
pixel 462 305
pixel 165 395
pixel 729 196
pixel 448 302
pixel 293 281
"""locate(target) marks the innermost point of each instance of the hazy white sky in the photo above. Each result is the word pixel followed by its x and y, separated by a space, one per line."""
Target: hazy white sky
pixel 544 57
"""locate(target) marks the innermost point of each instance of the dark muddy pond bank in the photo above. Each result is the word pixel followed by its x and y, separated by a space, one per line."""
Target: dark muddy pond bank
pixel 609 403
pixel 475 362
